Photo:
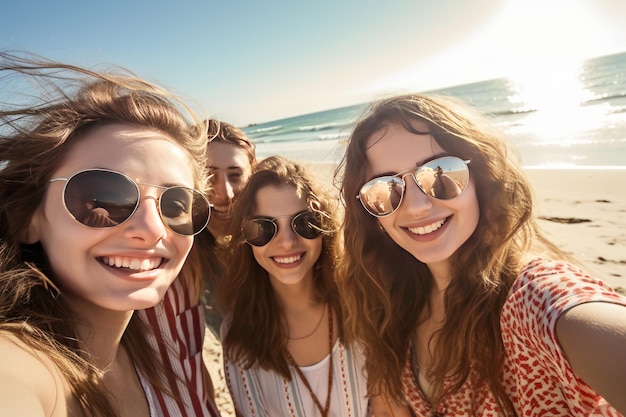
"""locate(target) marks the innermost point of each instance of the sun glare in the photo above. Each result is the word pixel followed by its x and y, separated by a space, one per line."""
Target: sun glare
pixel 553 97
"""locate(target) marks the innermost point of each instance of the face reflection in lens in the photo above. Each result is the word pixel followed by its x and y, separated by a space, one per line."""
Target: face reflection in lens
pixel 261 230
pixel 442 178
pixel 101 199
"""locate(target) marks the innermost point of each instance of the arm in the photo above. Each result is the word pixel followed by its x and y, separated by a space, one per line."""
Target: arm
pixel 383 407
pixel 593 337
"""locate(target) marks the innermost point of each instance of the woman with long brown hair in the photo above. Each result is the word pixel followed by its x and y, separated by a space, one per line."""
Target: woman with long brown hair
pixel 463 307
pixel 102 187
pixel 282 331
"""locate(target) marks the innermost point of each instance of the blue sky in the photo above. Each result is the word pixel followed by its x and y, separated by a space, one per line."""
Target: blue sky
pixel 257 61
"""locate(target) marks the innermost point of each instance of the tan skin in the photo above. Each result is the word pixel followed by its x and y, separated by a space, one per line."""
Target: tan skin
pixel 593 336
pixel 230 169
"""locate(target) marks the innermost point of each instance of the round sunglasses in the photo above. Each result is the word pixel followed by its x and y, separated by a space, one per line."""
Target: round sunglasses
pixel 259 231
pixel 101 198
pixel 442 178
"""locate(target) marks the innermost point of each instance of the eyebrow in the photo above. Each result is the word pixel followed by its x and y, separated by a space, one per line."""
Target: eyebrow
pixel 417 165
pixel 231 168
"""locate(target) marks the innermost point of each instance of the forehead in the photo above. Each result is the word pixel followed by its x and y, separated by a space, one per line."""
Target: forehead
pixel 133 150
pixel 226 155
pixel 393 149
pixel 275 201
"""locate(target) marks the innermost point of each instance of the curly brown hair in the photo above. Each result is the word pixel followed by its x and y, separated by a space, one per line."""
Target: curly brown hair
pixel 384 288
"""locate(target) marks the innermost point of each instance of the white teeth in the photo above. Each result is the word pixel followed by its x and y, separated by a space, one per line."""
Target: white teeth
pixel 220 209
pixel 136 264
pixel 288 260
pixel 424 230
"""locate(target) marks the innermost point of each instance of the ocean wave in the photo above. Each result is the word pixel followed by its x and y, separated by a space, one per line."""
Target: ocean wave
pixel 605 97
pixel 511 111
pixel 333 136
pixel 266 129
pixel 323 126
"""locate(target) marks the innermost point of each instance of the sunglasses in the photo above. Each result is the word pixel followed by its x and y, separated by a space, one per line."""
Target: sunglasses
pixel 100 198
pixel 259 231
pixel 442 178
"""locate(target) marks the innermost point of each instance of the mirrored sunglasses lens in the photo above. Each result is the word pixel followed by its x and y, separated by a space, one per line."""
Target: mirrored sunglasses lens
pixel 100 198
pixel 381 196
pixel 307 225
pixel 258 232
pixel 443 178
pixel 184 210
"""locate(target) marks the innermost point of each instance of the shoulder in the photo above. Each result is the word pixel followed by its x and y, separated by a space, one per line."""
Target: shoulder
pixel 30 384
pixel 551 280
pixel 545 289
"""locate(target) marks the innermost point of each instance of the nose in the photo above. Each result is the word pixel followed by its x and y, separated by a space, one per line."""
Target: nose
pixel 222 189
pixel 415 201
pixel 146 223
pixel 285 236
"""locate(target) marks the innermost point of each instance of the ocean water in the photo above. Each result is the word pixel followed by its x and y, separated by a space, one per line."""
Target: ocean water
pixel 564 117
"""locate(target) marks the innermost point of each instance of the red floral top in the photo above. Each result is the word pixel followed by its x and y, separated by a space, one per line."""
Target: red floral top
pixel 537 376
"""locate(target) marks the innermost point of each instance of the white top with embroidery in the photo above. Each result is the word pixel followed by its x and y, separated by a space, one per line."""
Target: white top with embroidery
pixel 257 392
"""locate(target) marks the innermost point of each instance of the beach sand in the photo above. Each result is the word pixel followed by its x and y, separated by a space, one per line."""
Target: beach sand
pixel 583 211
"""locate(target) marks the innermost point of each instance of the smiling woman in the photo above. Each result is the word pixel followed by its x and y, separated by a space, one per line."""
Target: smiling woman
pixel 90 232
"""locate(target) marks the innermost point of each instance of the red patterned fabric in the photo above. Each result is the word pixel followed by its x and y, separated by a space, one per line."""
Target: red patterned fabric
pixel 537 376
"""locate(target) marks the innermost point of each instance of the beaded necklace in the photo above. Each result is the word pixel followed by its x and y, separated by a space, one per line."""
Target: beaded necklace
pixel 324 411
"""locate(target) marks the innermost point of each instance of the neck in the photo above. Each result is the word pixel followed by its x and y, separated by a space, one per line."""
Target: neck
pixel 296 298
pixel 441 276
pixel 101 332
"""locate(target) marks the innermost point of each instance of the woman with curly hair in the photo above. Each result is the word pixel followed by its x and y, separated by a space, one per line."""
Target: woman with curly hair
pixel 462 305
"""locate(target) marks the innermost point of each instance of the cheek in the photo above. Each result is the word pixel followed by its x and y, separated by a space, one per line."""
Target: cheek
pixel 257 252
pixel 469 207
pixel 316 248
pixel 184 245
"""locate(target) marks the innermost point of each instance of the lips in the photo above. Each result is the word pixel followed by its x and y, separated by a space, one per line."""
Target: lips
pixel 220 210
pixel 429 228
pixel 287 259
pixel 134 264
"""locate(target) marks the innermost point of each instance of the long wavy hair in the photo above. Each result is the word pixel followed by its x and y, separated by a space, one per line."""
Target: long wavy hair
pixel 384 288
pixel 257 335
pixel 36 133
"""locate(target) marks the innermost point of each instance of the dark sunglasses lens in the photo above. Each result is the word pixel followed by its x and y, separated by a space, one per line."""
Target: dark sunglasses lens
pixel 443 178
pixel 258 232
pixel 184 210
pixel 100 198
pixel 307 225
pixel 381 196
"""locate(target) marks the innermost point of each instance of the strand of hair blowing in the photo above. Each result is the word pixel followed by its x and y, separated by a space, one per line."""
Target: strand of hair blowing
pixel 34 139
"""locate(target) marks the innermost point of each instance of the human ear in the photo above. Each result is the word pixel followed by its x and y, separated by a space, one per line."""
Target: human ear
pixel 30 234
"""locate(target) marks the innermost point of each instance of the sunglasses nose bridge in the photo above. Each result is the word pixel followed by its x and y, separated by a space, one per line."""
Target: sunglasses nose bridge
pixel 148 214
pixel 285 231
pixel 403 178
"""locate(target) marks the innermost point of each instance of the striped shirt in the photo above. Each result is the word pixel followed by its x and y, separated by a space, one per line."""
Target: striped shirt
pixel 177 335
pixel 259 392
